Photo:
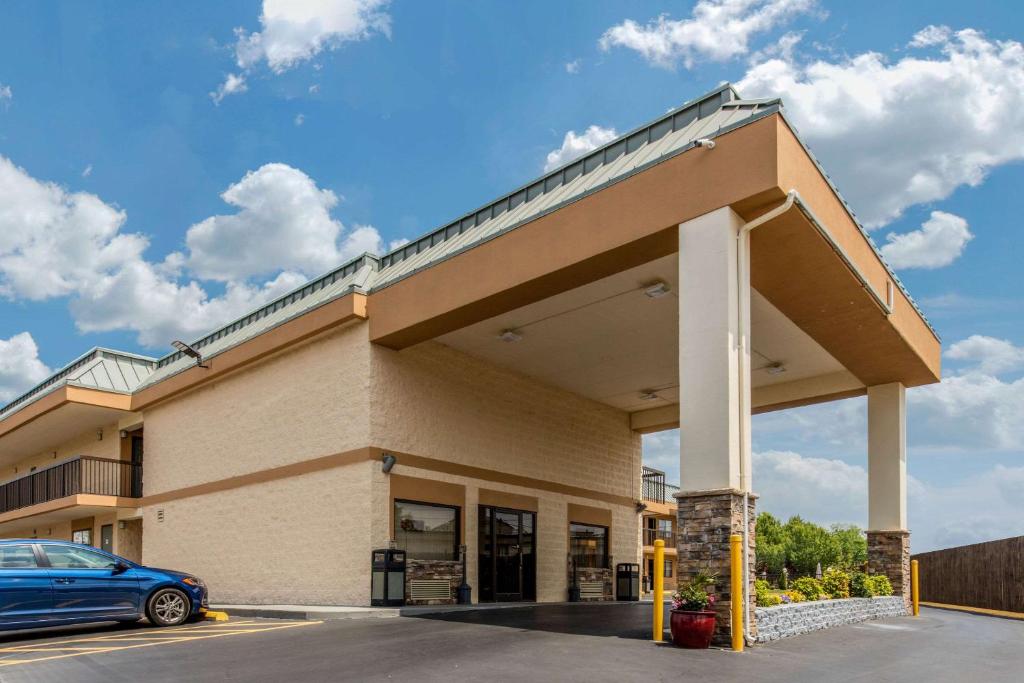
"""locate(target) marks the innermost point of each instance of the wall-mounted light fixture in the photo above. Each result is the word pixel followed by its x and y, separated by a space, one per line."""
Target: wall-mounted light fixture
pixel 510 336
pixel 99 434
pixel 656 290
pixel 640 506
pixel 189 351
pixel 387 463
pixel 775 368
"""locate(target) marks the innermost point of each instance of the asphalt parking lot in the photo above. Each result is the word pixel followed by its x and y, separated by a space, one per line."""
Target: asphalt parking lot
pixel 537 643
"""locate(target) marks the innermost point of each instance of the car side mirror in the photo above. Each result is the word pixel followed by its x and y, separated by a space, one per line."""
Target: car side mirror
pixel 121 568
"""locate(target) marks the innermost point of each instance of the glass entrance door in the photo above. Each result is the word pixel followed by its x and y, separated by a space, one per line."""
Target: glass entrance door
pixel 507 555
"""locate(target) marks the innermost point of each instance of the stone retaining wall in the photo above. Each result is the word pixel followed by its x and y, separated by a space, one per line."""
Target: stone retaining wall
pixel 448 570
pixel 782 621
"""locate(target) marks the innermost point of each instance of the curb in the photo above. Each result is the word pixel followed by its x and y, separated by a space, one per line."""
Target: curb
pixel 308 615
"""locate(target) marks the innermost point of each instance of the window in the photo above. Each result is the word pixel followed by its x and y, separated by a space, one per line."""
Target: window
pixel 17 557
pixel 66 557
pixel 668 569
pixel 83 536
pixel 588 544
pixel 427 532
pixel 665 526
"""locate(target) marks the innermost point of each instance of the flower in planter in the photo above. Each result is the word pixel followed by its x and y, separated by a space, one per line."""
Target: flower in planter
pixel 696 596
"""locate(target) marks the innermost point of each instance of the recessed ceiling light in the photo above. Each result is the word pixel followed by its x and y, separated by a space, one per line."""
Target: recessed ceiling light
pixel 775 369
pixel 648 395
pixel 656 290
pixel 510 336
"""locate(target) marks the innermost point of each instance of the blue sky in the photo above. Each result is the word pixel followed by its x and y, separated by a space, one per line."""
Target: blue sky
pixel 174 164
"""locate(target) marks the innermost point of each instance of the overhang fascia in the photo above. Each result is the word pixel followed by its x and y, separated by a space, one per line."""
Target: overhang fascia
pixel 62 396
pixel 60 509
pixel 626 224
pixel 344 309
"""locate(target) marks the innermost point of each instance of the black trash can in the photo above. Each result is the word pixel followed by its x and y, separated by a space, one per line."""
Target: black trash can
pixel 627 581
pixel 387 578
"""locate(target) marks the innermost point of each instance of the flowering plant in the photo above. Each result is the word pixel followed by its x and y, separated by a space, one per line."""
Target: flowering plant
pixel 695 596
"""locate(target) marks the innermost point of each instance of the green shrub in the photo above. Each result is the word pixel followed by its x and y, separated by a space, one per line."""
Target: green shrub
pixel 808 587
pixel 880 584
pixel 860 585
pixel 836 583
pixel 765 597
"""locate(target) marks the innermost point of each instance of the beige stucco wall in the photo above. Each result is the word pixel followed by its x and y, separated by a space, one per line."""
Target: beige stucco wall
pixel 303 539
pixel 302 404
pixel 87 443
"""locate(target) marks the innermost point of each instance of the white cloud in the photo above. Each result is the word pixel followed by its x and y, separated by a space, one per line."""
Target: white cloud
pixel 971 413
pixel 940 241
pixel 6 95
pixel 294 31
pixel 575 145
pixel 20 367
pixel 232 85
pixel 573 67
pixel 821 490
pixel 314 89
pixel 717 30
pixel 283 222
pixel 931 35
pixel 895 134
pixel 87 171
pixel 988 355
pixel 300 119
pixel 57 243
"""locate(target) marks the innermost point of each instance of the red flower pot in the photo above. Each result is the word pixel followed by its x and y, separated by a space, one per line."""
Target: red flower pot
pixel 692 629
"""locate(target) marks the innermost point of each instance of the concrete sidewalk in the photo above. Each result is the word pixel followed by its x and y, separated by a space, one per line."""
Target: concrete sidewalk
pixel 334 612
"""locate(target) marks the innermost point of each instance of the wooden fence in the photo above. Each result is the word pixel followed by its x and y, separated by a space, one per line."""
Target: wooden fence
pixel 989 575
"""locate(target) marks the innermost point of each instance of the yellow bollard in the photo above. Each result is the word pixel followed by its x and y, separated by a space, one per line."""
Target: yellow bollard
pixel 736 590
pixel 915 588
pixel 659 590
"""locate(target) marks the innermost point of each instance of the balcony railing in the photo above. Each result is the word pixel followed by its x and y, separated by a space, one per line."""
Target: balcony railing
pixel 654 487
pixel 651 535
pixel 84 474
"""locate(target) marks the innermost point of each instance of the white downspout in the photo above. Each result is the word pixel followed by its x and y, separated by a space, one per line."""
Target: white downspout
pixel 742 286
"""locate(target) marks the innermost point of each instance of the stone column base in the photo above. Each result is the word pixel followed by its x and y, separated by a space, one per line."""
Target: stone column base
pixel 889 554
pixel 706 520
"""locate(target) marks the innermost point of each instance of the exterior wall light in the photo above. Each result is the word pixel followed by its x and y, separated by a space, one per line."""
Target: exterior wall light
pixel 775 369
pixel 656 290
pixel 189 351
pixel 510 336
pixel 387 463
pixel 640 506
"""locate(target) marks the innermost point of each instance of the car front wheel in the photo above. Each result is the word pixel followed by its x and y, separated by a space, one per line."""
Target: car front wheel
pixel 168 607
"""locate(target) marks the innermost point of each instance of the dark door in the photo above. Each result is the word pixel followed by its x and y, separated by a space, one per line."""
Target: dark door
pixel 507 555
pixel 136 490
pixel 86 583
pixel 107 538
pixel 25 593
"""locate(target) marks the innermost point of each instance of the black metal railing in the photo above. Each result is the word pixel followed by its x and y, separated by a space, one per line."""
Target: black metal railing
pixel 654 487
pixel 83 474
pixel 651 535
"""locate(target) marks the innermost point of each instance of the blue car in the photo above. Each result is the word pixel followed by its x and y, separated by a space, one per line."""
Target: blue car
pixel 52 583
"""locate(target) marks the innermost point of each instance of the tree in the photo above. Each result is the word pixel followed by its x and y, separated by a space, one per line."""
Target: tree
pixel 853 547
pixel 808 544
pixel 771 544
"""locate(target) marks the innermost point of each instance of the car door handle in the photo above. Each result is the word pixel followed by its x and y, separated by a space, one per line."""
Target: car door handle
pixel 63 580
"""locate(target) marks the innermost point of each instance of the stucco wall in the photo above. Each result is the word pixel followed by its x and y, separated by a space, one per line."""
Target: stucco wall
pixel 299 405
pixel 434 401
pixel 87 443
pixel 303 539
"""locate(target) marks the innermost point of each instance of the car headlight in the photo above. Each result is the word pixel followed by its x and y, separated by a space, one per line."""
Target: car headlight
pixel 194 581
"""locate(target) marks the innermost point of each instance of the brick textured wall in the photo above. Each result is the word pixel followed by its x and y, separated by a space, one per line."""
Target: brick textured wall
pixel 889 554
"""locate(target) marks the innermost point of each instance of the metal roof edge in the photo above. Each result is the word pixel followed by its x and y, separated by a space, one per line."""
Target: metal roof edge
pixel 773 109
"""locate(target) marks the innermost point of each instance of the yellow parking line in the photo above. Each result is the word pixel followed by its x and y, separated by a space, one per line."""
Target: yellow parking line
pixel 218 633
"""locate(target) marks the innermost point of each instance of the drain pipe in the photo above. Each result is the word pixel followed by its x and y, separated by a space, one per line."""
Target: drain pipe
pixel 743 285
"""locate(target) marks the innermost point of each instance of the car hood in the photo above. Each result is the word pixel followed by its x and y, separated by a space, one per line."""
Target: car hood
pixel 170 572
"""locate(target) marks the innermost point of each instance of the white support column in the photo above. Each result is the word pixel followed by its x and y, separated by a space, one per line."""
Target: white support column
pixel 714 409
pixel 887 457
pixel 711 427
pixel 888 537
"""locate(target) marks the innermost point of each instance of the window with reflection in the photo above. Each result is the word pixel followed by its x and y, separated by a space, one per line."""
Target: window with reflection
pixel 588 544
pixel 426 531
